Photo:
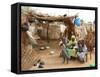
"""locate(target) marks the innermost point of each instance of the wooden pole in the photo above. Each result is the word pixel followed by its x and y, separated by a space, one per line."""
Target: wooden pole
pixel 48 32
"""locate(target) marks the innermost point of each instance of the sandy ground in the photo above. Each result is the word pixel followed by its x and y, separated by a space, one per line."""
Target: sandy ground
pixel 54 61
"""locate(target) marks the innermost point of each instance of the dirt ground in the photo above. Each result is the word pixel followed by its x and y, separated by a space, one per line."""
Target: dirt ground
pixel 54 61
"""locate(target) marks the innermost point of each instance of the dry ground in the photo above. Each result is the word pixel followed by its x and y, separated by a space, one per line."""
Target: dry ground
pixel 54 61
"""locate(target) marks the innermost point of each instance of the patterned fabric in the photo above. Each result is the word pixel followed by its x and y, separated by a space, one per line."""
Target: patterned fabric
pixel 82 55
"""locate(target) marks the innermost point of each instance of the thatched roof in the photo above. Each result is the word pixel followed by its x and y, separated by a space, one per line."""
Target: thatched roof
pixel 53 18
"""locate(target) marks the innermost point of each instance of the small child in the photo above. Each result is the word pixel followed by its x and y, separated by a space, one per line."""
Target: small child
pixel 64 52
pixel 82 52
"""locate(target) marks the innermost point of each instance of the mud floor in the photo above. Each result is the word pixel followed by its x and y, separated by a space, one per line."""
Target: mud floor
pixel 52 60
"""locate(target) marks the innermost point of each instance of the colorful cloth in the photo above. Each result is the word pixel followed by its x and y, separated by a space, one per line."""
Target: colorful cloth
pixel 71 52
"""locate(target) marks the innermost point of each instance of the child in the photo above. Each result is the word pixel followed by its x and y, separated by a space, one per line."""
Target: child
pixel 82 52
pixel 64 52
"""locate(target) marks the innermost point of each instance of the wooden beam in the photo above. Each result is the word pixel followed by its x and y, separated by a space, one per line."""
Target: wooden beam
pixel 53 18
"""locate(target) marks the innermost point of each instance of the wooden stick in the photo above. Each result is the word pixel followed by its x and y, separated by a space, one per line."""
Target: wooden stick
pixel 31 37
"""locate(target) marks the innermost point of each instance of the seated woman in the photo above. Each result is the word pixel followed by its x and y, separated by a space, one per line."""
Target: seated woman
pixel 68 48
pixel 72 46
